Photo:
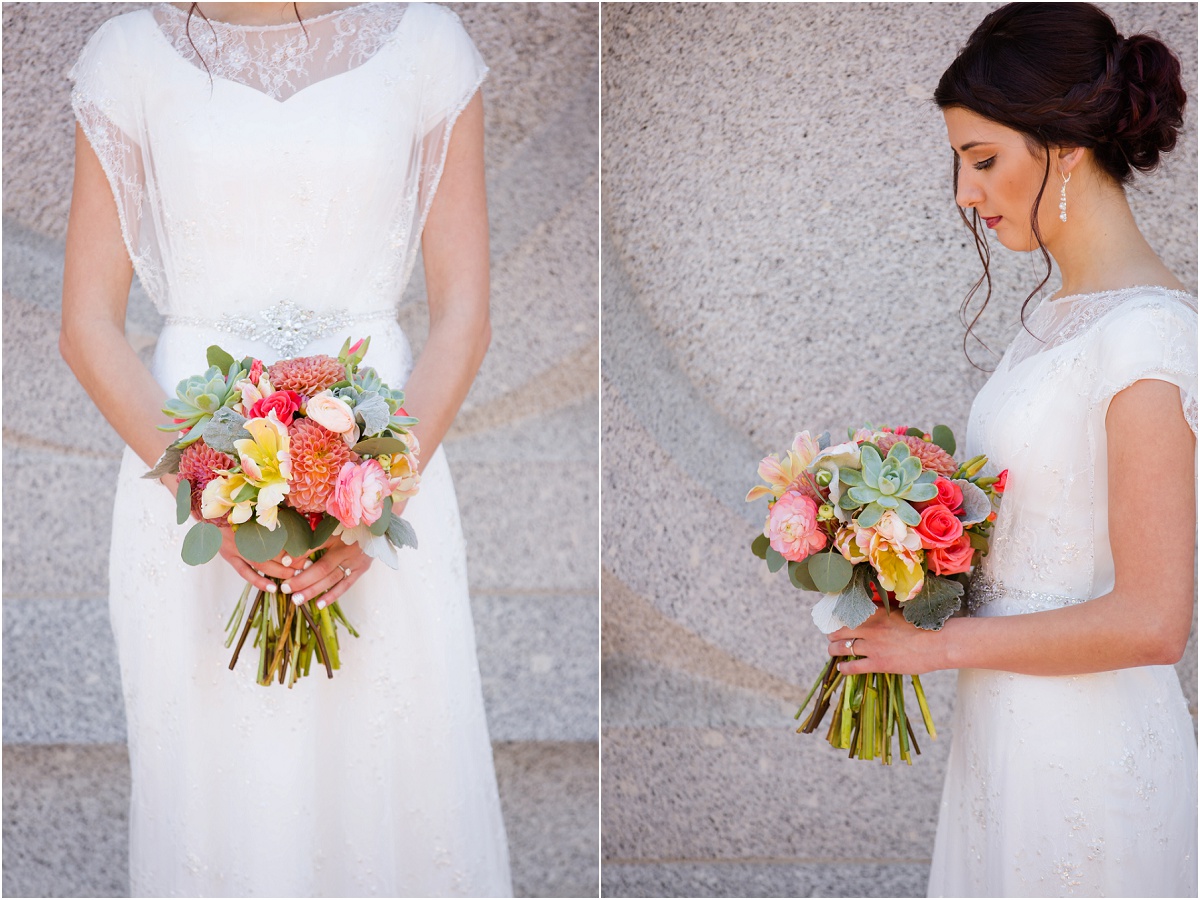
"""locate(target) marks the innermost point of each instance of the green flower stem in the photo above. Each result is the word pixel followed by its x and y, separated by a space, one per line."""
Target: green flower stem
pixel 916 681
pixel 336 609
pixel 235 620
pixel 811 691
pixel 317 638
pixel 330 634
pixel 249 622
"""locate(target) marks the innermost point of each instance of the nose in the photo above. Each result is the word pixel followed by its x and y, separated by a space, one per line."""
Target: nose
pixel 969 193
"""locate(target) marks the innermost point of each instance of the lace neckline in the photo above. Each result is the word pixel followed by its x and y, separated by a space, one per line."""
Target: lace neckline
pixel 234 26
pixel 1114 292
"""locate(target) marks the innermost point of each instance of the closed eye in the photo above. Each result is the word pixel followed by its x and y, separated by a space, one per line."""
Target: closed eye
pixel 985 163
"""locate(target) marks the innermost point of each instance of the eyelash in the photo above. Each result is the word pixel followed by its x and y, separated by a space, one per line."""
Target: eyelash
pixel 985 163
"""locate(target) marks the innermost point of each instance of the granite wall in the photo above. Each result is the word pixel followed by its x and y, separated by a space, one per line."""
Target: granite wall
pixel 779 241
pixel 524 449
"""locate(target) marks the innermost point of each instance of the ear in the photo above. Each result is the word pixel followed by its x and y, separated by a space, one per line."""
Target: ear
pixel 1068 158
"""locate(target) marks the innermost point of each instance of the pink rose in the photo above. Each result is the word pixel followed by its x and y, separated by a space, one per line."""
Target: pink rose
pixel 938 526
pixel 358 493
pixel 1001 482
pixel 792 527
pixel 256 368
pixel 949 495
pixel 285 403
pixel 951 560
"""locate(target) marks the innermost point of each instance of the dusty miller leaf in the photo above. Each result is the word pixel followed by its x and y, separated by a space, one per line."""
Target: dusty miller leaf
pixel 938 599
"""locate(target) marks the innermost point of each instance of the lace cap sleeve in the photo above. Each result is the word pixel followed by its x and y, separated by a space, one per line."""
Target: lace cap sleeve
pixel 1152 337
pixel 107 105
pixel 452 70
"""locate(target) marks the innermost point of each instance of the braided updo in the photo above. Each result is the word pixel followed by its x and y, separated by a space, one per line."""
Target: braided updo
pixel 1063 76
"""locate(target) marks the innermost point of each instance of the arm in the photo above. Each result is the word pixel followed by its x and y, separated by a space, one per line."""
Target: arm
pixel 455 247
pixel 1144 620
pixel 96 277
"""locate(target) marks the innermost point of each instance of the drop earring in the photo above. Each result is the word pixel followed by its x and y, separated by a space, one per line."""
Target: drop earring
pixel 1062 198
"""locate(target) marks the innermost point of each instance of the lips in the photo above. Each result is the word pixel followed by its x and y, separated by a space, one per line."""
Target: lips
pixel 992 221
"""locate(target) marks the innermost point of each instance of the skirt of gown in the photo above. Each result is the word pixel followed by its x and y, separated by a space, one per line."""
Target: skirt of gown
pixel 1068 786
pixel 379 782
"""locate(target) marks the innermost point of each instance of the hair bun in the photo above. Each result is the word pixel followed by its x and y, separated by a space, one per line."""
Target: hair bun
pixel 1149 112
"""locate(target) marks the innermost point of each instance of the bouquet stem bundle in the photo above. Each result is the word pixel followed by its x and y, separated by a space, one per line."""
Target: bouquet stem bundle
pixel 867 713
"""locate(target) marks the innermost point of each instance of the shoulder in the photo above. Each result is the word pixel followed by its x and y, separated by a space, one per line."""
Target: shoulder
pixel 1150 333
pixel 433 15
pixel 1153 308
pixel 115 41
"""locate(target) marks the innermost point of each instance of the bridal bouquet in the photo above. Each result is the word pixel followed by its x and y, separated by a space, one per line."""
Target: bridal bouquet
pixel 288 457
pixel 888 518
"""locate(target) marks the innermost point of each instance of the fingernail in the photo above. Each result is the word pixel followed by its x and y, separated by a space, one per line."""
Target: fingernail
pixel 286 588
pixel 320 604
pixel 298 598
pixel 287 560
pixel 272 587
pixel 297 571
pixel 307 564
pixel 261 574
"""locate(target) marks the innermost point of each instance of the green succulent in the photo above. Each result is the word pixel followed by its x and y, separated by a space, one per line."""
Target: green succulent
pixel 197 398
pixel 892 482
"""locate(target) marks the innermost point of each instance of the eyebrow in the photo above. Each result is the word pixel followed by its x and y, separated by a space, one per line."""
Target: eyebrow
pixel 970 144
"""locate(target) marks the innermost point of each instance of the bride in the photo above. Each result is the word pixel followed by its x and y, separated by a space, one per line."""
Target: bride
pixel 1073 764
pixel 270 171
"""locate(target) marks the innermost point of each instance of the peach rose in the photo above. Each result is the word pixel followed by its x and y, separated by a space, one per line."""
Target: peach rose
pixel 951 560
pixel 330 412
pixel 938 527
pixel 792 527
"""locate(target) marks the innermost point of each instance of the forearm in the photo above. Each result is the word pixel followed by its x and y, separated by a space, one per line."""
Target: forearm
pixel 1097 636
pixel 443 374
pixel 117 381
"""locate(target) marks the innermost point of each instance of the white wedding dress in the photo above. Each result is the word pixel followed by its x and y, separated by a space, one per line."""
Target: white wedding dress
pixel 273 205
pixel 1082 785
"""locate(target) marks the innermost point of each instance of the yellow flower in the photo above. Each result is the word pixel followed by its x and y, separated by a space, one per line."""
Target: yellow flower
pixel 266 464
pixel 217 499
pixel 899 568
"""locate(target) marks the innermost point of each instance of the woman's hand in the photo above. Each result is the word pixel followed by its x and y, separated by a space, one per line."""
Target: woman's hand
pixel 260 575
pixel 341 566
pixel 887 642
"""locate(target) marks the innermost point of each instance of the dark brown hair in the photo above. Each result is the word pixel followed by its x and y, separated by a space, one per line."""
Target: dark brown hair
pixel 1063 76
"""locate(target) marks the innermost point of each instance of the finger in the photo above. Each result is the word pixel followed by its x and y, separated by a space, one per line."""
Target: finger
pixel 855 666
pixel 302 579
pixel 343 585
pixel 848 647
pixel 248 573
pixel 319 587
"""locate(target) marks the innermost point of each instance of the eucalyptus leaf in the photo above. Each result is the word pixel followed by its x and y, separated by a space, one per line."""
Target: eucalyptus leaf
pixel 219 358
pixel 775 559
pixel 401 534
pixel 379 445
pixel 830 571
pixel 298 532
pixel 223 429
pixel 257 543
pixel 944 438
pixel 799 577
pixel 854 605
pixel 380 526
pixel 168 463
pixel 978 541
pixel 759 546
pixel 323 531
pixel 938 599
pixel 183 500
pixel 201 543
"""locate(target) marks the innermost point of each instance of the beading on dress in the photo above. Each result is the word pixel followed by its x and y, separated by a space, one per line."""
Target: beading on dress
pixel 284 327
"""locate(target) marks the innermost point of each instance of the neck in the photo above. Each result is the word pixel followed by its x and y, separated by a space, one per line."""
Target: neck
pixel 1100 247
pixel 261 13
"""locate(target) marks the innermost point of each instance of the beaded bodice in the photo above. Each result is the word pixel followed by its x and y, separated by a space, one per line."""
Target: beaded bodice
pixel 1042 417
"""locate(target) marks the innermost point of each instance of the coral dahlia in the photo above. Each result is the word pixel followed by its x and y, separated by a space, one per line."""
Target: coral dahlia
pixel 307 375
pixel 317 457
pixel 931 456
pixel 199 464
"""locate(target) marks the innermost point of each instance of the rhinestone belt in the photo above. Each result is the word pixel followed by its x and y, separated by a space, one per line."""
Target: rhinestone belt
pixel 983 590
pixel 285 327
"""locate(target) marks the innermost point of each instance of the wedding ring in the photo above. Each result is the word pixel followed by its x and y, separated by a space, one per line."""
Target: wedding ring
pixel 850 645
pixel 345 571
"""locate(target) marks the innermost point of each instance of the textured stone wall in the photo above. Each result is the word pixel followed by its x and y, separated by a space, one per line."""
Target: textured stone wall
pixel 524 453
pixel 780 251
